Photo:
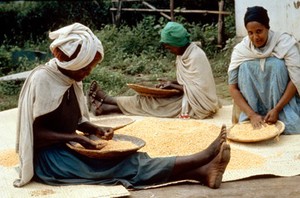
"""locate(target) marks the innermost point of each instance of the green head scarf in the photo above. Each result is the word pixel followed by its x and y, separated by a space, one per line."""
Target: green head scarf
pixel 174 34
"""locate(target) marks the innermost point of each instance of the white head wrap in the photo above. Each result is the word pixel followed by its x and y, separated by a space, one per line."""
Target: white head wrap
pixel 67 40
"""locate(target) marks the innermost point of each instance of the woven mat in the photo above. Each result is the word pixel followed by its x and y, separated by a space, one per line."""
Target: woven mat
pixel 33 189
pixel 279 158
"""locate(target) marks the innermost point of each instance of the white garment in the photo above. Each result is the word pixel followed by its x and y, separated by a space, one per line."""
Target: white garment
pixel 42 93
pixel 68 38
pixel 195 75
pixel 281 45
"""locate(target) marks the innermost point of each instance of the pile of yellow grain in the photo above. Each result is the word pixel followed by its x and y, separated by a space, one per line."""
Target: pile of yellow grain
pixel 169 137
pixel 241 159
pixel 165 137
pixel 8 158
pixel 245 131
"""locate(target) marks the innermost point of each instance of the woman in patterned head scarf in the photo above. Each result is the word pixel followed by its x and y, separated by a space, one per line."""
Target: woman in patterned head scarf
pixel 264 74
pixel 52 99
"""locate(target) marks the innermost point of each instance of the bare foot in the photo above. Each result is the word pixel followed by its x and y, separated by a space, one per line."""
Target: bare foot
pixel 216 168
pixel 95 98
pixel 96 109
pixel 96 92
pixel 214 148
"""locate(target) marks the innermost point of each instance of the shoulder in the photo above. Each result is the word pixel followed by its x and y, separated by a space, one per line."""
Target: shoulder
pixel 195 48
pixel 283 37
pixel 40 78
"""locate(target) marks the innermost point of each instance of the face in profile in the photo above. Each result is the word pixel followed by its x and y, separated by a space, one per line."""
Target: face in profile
pixel 174 50
pixel 80 74
pixel 257 33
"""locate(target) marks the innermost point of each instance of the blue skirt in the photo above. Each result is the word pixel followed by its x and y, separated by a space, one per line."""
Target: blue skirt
pixel 59 165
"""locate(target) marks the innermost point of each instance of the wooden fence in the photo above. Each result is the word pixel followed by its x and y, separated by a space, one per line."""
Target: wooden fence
pixel 117 8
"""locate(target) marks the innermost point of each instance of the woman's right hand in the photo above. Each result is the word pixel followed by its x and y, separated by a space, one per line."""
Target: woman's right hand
pixel 257 121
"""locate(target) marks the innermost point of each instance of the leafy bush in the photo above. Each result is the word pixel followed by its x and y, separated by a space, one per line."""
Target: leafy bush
pixel 132 52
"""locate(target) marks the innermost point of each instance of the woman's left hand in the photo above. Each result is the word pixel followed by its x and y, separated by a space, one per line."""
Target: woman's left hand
pixel 272 116
pixel 105 133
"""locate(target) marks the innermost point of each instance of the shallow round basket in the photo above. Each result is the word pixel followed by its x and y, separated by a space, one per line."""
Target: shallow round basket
pixel 247 133
pixel 154 92
pixel 109 154
pixel 113 122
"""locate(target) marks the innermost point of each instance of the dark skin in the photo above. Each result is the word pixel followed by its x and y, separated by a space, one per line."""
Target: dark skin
pixel 258 35
pixel 46 134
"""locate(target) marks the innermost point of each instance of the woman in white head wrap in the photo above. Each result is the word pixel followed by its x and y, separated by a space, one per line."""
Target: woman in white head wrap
pixel 44 90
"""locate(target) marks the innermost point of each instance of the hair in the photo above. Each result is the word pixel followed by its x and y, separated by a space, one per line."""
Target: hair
pixel 258 14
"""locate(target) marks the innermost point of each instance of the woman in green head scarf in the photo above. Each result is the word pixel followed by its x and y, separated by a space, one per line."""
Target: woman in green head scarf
pixel 194 79
pixel 174 34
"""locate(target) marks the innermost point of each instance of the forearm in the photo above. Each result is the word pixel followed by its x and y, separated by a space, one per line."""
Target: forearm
pixel 88 127
pixel 44 137
pixel 240 100
pixel 177 86
pixel 289 93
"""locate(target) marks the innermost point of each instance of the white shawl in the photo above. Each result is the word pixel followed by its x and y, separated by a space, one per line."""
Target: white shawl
pixel 43 90
pixel 42 93
pixel 195 74
pixel 281 45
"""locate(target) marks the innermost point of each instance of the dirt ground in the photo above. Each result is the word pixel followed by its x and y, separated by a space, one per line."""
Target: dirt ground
pixel 222 91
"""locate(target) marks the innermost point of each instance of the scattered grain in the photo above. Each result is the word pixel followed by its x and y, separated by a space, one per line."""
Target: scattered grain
pixel 165 137
pixel 244 160
pixel 38 193
pixel 9 158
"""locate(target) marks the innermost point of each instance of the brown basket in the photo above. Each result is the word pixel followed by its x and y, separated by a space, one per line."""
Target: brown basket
pixel 261 134
pixel 154 92
pixel 109 154
pixel 113 122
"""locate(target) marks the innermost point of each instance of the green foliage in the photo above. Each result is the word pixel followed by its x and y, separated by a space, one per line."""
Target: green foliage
pixel 133 53
pixel 31 20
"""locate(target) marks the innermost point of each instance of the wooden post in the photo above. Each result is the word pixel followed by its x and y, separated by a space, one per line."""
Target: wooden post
pixel 113 17
pixel 172 10
pixel 220 24
pixel 118 15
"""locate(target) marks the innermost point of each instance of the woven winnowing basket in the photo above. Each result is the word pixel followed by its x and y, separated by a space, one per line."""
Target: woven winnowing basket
pixel 108 154
pixel 243 132
pixel 154 92
pixel 113 122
